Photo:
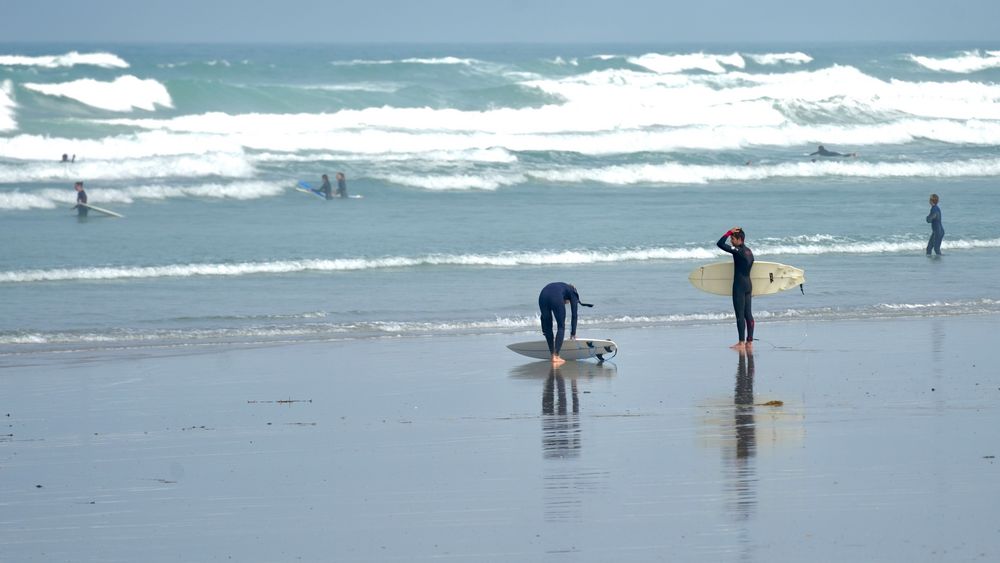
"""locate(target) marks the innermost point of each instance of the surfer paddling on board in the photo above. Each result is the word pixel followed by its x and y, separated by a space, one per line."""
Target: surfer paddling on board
pixel 81 200
pixel 821 151
pixel 326 189
pixel 552 302
pixel 742 287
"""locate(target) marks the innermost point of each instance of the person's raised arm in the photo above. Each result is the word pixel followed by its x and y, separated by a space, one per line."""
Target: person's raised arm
pixel 723 244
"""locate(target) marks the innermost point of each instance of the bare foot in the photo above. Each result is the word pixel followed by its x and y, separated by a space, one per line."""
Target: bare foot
pixel 739 346
pixel 557 361
pixel 749 345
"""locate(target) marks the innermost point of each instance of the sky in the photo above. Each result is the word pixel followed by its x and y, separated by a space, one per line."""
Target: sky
pixel 498 21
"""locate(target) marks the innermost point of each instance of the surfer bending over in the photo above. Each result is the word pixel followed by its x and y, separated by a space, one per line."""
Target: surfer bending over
pixel 821 150
pixel 326 189
pixel 81 200
pixel 552 302
pixel 742 287
pixel 937 229
pixel 341 185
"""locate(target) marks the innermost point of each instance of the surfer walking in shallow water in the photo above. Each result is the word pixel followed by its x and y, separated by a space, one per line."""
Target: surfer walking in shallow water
pixel 552 302
pixel 742 286
pixel 937 230
pixel 81 200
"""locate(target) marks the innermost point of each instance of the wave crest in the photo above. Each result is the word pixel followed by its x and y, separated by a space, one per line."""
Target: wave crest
pixel 811 245
pixel 70 59
pixel 967 62
pixel 125 93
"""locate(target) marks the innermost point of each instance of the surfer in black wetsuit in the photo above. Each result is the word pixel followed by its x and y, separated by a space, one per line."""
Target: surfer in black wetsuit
pixel 742 287
pixel 552 302
pixel 81 200
pixel 341 185
pixel 821 151
pixel 326 189
pixel 937 229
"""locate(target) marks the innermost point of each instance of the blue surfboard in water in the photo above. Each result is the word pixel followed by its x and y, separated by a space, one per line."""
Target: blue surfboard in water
pixel 305 187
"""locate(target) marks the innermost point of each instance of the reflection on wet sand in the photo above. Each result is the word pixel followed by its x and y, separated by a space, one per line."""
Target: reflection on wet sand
pixel 565 481
pixel 560 430
pixel 743 476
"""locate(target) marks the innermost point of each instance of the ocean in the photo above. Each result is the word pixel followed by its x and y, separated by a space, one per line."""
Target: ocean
pixel 486 172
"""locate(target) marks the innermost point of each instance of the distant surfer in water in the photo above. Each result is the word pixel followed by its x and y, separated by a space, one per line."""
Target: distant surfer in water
pixel 937 229
pixel 742 286
pixel 552 302
pixel 341 185
pixel 81 200
pixel 821 151
pixel 326 189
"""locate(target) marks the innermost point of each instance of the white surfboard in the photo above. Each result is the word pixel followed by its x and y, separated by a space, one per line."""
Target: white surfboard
pixel 579 349
pixel 107 212
pixel 766 277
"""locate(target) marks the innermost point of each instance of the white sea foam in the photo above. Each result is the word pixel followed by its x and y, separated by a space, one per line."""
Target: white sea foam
pixel 73 58
pixel 490 155
pixel 382 328
pixel 669 64
pixel 382 87
pixel 181 166
pixel 674 173
pixel 621 111
pixel 411 60
pixel 504 259
pixel 965 63
pixel 443 182
pixel 125 93
pixel 138 145
pixel 874 247
pixel 7 106
pixel 50 198
pixel 796 58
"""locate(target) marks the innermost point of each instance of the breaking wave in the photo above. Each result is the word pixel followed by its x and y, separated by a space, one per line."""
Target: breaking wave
pixel 820 244
pixel 967 62
pixel 73 58
pixel 125 93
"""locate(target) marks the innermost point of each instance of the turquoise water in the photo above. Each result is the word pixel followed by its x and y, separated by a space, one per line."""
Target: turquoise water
pixel 486 172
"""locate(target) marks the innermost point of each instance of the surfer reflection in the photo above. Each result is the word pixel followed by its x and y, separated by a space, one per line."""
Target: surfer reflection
pixel 565 479
pixel 560 428
pixel 743 471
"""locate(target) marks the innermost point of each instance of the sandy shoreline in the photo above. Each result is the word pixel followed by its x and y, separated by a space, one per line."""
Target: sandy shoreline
pixel 455 448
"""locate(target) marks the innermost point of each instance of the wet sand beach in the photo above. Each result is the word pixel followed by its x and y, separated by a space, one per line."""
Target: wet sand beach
pixel 832 441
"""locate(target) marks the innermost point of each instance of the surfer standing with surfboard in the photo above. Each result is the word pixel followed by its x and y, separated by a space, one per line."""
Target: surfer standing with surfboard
pixel 81 200
pixel 742 286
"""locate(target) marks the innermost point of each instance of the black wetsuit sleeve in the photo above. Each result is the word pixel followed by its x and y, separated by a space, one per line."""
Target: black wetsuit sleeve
pixel 934 215
pixel 81 197
pixel 725 246
pixel 813 153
